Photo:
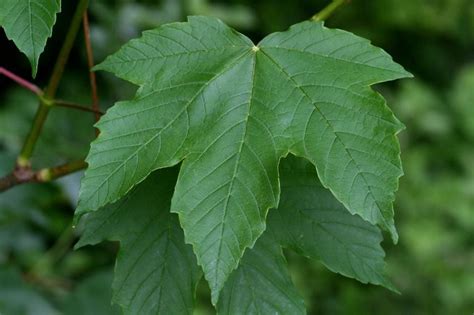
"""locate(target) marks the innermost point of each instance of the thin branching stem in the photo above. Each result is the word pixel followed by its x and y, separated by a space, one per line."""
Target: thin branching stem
pixel 23 160
pixel 71 105
pixel 22 82
pixel 90 62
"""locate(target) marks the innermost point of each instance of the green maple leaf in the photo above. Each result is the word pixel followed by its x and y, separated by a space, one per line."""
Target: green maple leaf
pixel 29 23
pixel 156 272
pixel 230 110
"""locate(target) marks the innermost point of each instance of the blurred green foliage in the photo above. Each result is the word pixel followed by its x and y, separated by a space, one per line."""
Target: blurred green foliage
pixel 433 265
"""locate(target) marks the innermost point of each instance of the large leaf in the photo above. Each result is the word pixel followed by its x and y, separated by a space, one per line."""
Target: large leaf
pixel 29 23
pixel 156 273
pixel 230 110
pixel 261 284
pixel 313 223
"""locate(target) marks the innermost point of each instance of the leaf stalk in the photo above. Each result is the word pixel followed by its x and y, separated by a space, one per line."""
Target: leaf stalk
pixel 325 13
pixel 66 104
pixel 90 63
pixel 22 82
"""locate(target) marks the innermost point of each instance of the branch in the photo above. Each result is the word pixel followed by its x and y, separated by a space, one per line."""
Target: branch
pixel 9 181
pixel 90 62
pixel 22 175
pixel 66 104
pixel 49 174
pixel 325 13
pixel 22 82
pixel 43 109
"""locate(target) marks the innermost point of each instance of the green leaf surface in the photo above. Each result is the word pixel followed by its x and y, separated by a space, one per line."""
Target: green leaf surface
pixel 313 223
pixel 29 23
pixel 230 110
pixel 156 273
pixel 261 284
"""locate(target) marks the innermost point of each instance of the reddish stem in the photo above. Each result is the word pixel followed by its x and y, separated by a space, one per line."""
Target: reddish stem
pixel 24 83
pixel 72 105
pixel 90 62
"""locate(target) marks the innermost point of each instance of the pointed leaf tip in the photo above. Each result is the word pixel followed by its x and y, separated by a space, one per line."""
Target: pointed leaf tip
pixel 29 24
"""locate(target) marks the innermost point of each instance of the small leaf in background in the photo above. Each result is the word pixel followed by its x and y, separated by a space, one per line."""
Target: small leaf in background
pixel 29 23
pixel 156 272
pixel 231 110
